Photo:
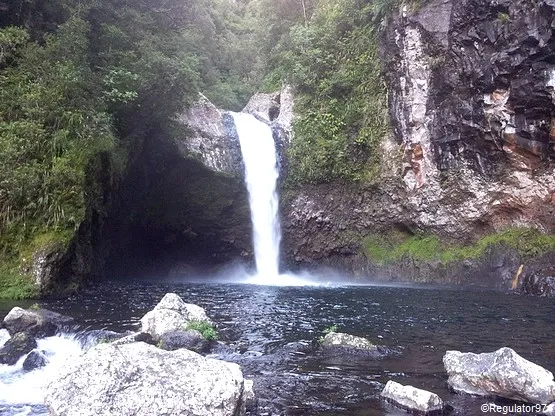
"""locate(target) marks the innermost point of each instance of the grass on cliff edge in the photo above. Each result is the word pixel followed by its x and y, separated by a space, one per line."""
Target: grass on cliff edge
pixel 383 250
pixel 16 281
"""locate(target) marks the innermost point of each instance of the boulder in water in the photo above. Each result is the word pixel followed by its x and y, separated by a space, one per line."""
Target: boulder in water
pixel 190 339
pixel 501 373
pixel 171 314
pixel 412 399
pixel 338 341
pixel 16 347
pixel 35 322
pixel 141 380
pixel 35 359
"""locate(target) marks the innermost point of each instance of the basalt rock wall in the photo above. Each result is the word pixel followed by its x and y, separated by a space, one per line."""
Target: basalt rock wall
pixel 471 86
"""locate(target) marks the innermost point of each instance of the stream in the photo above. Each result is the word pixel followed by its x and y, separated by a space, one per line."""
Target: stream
pixel 264 326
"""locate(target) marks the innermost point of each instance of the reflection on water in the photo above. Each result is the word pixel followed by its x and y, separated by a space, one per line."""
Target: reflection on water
pixel 260 323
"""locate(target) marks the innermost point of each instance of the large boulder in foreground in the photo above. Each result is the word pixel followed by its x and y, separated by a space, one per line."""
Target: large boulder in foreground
pixel 141 380
pixel 35 322
pixel 501 373
pixel 412 399
pixel 171 314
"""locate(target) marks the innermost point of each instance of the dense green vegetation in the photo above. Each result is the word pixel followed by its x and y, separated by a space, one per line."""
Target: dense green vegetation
pixel 330 55
pixel 386 249
pixel 78 79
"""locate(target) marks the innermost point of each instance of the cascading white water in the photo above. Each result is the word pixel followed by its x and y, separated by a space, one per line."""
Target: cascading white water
pixel 261 174
pixel 21 392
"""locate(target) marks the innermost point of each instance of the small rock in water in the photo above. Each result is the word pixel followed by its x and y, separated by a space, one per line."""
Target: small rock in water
pixel 412 399
pixel 350 344
pixel 35 322
pixel 501 373
pixel 35 359
pixel 16 347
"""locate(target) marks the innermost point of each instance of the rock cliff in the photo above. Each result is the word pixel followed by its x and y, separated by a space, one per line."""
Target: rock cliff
pixel 471 87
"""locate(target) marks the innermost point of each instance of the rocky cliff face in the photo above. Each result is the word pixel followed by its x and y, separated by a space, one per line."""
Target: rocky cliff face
pixel 472 90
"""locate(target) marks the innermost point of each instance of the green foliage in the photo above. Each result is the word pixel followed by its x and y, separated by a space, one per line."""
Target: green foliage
pixel 14 284
pixel 206 329
pixel 326 331
pixel 35 306
pixel 503 17
pixel 341 98
pixel 382 249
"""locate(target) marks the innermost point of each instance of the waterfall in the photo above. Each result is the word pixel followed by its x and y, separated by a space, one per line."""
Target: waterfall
pixel 261 174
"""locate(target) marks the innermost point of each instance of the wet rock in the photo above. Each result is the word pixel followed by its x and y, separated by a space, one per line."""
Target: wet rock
pixel 36 322
pixel 412 399
pixel 501 373
pixel 171 314
pixel 540 283
pixel 189 339
pixel 338 341
pixel 35 359
pixel 142 380
pixel 16 347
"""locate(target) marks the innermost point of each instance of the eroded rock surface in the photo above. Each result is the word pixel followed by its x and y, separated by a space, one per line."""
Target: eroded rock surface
pixel 141 380
pixel 502 373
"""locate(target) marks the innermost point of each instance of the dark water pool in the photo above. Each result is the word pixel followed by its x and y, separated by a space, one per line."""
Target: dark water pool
pixel 260 323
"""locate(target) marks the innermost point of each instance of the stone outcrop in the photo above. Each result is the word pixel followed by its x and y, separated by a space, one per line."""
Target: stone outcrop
pixel 412 399
pixel 172 314
pixel 141 380
pixel 502 373
pixel 35 322
pixel 212 138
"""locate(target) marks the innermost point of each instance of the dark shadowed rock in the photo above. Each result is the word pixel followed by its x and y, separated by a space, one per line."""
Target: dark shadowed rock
pixel 412 399
pixel 540 283
pixel 39 322
pixel 502 373
pixel 35 359
pixel 190 339
pixel 16 347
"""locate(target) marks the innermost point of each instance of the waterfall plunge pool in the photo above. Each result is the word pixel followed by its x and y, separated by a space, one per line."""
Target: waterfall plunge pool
pixel 263 324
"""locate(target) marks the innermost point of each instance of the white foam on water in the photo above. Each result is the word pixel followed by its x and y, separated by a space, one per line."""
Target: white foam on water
pixel 4 336
pixel 24 389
